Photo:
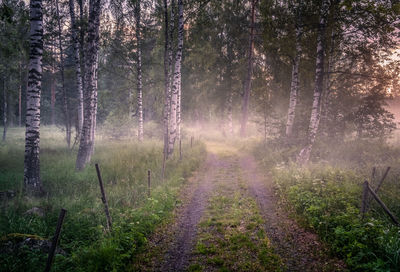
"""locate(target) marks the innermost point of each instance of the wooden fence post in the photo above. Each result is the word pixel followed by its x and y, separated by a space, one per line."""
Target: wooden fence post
pixel 55 240
pixel 148 183
pixel 104 199
pixel 364 199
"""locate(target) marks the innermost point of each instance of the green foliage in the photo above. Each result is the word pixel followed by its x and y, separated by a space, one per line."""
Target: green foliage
pixel 88 246
pixel 326 197
pixel 327 200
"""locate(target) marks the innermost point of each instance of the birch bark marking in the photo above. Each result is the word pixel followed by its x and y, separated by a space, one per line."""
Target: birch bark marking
pixel 139 71
pixel 177 80
pixel 247 84
pixel 294 86
pixel 64 92
pixel 304 154
pixel 86 144
pixel 32 181
pixel 78 73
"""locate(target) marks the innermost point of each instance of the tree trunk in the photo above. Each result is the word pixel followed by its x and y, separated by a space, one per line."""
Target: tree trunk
pixel 78 74
pixel 304 154
pixel 53 89
pixel 20 95
pixel 86 145
pixel 294 86
pixel 32 181
pixel 327 87
pixel 229 115
pixel 5 109
pixel 247 84
pixel 139 72
pixel 176 81
pixel 63 90
pixel 167 85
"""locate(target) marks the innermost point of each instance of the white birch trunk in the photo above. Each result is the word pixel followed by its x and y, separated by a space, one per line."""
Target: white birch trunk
pixel 63 90
pixel 294 86
pixel 167 90
pixel 78 74
pixel 176 81
pixel 32 181
pixel 86 145
pixel 304 154
pixel 139 72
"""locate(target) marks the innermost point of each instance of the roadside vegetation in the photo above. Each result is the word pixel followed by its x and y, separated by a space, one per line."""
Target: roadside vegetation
pixel 326 196
pixel 85 244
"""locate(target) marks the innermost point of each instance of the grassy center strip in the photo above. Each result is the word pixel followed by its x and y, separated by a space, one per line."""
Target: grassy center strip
pixel 231 235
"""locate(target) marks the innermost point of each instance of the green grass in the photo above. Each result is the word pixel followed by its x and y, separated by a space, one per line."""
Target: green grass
pixel 124 166
pixel 231 235
pixel 326 197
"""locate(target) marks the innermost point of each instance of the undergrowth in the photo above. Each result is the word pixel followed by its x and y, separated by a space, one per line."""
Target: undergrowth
pixel 87 244
pixel 326 197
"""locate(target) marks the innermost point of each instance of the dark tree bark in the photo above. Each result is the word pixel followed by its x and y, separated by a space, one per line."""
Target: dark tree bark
pixel 5 109
pixel 247 83
pixel 32 181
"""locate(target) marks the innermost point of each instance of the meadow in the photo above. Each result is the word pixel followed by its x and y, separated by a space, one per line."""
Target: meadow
pixel 86 245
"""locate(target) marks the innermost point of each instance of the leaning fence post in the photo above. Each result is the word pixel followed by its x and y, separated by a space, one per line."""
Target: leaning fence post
pixel 364 199
pixel 55 240
pixel 104 199
pixel 383 205
pixel 148 183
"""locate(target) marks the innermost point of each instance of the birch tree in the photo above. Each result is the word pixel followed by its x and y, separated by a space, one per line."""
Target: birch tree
pixel 294 86
pixel 176 82
pixel 304 154
pixel 32 181
pixel 77 62
pixel 139 71
pixel 247 84
pixel 167 89
pixel 86 145
pixel 63 90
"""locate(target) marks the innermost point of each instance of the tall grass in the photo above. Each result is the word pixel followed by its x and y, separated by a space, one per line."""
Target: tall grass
pixel 124 165
pixel 326 196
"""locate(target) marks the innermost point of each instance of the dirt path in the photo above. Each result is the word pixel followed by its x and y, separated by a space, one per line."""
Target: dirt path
pixel 300 249
pixel 173 247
